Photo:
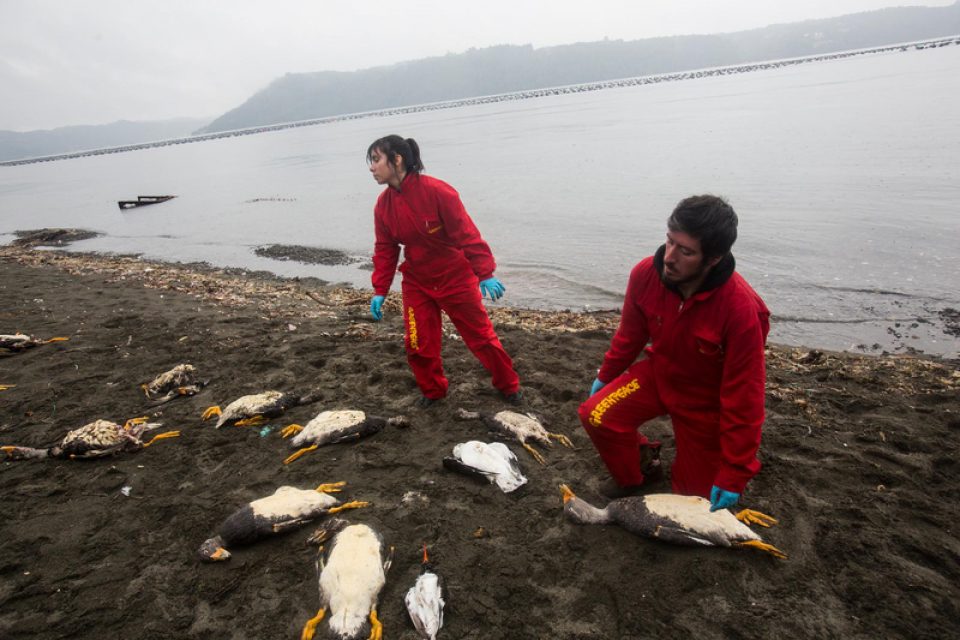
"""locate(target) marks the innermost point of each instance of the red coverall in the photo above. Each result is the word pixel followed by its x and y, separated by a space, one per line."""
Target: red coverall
pixel 444 260
pixel 704 367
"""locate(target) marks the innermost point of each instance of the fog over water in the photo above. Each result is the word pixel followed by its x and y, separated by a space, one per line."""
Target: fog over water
pixel 845 175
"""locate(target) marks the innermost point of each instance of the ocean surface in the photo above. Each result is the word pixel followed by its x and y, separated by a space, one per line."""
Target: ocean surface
pixel 845 175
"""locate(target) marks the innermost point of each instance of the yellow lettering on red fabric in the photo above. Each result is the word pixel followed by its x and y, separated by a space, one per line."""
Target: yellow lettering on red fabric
pixel 412 329
pixel 612 399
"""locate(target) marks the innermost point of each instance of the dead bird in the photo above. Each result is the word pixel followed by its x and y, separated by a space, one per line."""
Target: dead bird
pixel 493 462
pixel 287 508
pixel 424 600
pixel 351 573
pixel 685 520
pixel 95 440
pixel 179 381
pixel 15 342
pixel 331 427
pixel 255 409
pixel 522 427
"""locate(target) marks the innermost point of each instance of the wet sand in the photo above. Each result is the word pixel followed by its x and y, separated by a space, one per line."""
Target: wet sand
pixel 860 459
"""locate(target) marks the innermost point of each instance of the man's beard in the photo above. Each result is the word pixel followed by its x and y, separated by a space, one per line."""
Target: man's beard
pixel 678 282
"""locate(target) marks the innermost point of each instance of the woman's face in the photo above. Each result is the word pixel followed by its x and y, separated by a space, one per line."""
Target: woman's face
pixel 385 172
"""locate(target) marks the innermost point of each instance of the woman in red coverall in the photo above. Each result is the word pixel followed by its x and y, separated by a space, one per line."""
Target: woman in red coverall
pixel 445 259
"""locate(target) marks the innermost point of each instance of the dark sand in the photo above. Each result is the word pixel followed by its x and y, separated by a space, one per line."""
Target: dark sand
pixel 860 465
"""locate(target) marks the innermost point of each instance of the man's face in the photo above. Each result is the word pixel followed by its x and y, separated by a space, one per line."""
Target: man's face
pixel 683 260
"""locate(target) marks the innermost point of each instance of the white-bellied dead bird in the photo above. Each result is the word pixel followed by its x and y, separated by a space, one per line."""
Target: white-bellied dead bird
pixel 331 427
pixel 286 509
pixel 255 409
pixel 96 439
pixel 351 571
pixel 15 342
pixel 182 380
pixel 522 427
pixel 685 520
pixel 493 462
pixel 424 600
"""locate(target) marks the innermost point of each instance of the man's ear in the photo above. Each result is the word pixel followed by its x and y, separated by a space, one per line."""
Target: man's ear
pixel 712 262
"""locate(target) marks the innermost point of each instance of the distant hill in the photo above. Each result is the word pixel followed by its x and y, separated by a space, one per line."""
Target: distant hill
pixel 507 68
pixel 29 144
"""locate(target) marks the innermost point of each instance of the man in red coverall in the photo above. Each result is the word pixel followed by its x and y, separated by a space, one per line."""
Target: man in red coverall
pixel 445 259
pixel 703 329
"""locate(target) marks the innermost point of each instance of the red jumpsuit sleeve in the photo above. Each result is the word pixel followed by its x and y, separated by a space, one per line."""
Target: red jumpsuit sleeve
pixel 742 393
pixel 632 334
pixel 386 253
pixel 463 233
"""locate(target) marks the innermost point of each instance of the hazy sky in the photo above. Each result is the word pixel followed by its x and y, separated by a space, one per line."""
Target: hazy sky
pixel 65 62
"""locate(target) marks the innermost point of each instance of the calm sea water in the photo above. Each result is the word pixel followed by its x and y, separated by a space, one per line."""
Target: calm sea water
pixel 845 175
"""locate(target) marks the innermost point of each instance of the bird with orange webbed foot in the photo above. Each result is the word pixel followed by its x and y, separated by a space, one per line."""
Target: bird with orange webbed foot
pixel 685 520
pixel 94 440
pixel 178 382
pixel 255 409
pixel 522 427
pixel 286 509
pixel 16 342
pixel 351 571
pixel 332 427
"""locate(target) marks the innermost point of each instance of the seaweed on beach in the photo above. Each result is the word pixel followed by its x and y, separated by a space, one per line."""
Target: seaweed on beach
pixel 306 255
pixel 51 237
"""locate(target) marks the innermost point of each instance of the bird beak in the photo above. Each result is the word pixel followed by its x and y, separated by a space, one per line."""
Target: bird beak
pixel 568 495
pixel 220 554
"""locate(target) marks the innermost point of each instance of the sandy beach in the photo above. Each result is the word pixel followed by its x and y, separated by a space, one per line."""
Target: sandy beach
pixel 860 458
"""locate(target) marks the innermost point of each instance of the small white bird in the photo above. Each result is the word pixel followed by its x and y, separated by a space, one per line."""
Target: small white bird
pixel 685 520
pixel 424 601
pixel 350 574
pixel 522 427
pixel 331 427
pixel 493 461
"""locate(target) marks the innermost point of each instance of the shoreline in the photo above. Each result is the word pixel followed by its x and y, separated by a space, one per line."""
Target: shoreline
pixel 860 458
pixel 280 294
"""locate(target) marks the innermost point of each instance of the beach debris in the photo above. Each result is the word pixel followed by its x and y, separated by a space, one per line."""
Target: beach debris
pixel 177 382
pixel 522 427
pixel 5 387
pixel 255 409
pixel 286 509
pixel 683 520
pixel 16 342
pixel 95 440
pixel 424 600
pixel 331 427
pixel 493 462
pixel 350 573
pixel 125 490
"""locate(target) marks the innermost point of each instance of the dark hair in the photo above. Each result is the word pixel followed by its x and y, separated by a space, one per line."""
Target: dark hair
pixel 709 219
pixel 392 146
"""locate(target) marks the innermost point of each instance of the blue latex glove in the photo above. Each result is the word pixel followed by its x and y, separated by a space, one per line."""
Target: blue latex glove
pixel 720 499
pixel 492 288
pixel 376 307
pixel 597 385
